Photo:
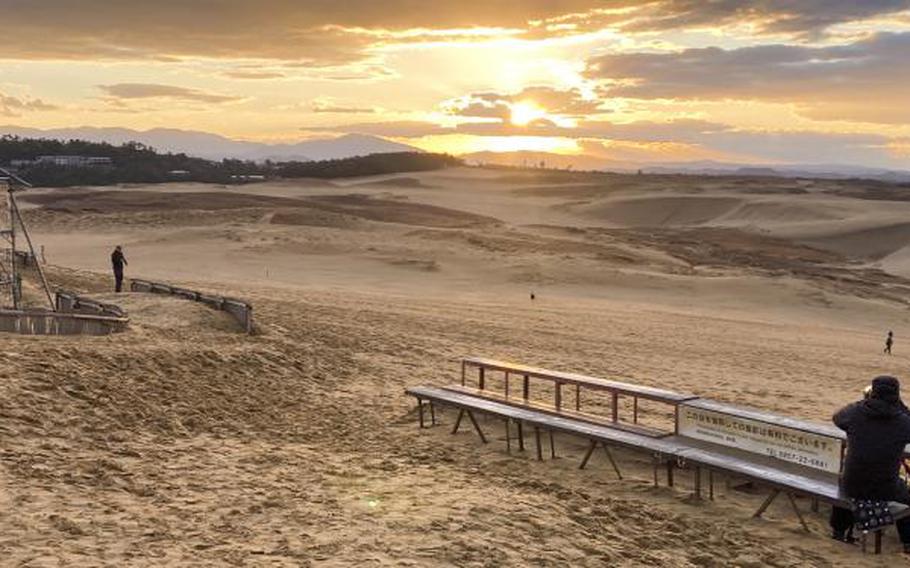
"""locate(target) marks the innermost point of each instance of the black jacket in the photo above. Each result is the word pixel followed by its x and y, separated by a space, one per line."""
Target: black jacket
pixel 877 432
pixel 118 260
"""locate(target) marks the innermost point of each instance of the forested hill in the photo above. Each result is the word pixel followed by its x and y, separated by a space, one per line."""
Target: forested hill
pixel 135 163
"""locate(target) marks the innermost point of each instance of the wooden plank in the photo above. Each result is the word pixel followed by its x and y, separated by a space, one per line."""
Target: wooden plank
pixel 540 407
pixel 651 393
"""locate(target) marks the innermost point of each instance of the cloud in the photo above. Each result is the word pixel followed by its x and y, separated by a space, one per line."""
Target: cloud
pixel 797 18
pixel 698 138
pixel 241 74
pixel 128 91
pixel 329 106
pixel 320 32
pixel 330 33
pixel 868 80
pixel 12 106
pixel 568 103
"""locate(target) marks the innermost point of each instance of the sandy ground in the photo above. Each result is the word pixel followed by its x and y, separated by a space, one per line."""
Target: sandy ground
pixel 185 442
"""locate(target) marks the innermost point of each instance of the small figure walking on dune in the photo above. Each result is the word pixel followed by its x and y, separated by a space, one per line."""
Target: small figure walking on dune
pixel 533 296
pixel 889 341
pixel 118 261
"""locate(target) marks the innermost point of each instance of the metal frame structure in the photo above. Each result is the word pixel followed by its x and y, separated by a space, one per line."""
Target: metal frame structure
pixel 10 277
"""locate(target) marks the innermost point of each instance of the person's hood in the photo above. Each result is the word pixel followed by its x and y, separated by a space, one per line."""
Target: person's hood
pixel 881 409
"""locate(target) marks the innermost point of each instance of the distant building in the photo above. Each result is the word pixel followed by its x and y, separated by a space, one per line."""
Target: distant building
pixel 73 161
pixel 241 178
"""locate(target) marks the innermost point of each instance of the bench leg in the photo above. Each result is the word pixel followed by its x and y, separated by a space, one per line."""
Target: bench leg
pixel 656 465
pixel 590 451
pixel 862 542
pixel 697 482
pixel 537 438
pixel 552 446
pixel 432 413
pixel 796 510
pixel 508 438
pixel 476 427
pixel 458 421
pixel 420 411
pixel 878 542
pixel 612 461
pixel 521 437
pixel 764 506
pixel 669 473
pixel 711 484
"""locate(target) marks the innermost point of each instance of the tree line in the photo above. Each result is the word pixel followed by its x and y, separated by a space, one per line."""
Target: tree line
pixel 134 162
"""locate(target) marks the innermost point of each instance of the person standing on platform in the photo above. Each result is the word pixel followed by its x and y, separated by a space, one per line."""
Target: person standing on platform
pixel 889 341
pixel 118 261
pixel 878 429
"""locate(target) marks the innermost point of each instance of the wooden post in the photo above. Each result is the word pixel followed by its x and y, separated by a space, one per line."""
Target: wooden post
pixel 420 411
pixel 539 449
pixel 711 484
pixel 477 427
pixel 432 414
pixel 480 382
pixel 458 420
pixel 697 491
pixel 591 448
pixel 615 406
pixel 634 410
pixel 521 436
pixel 508 439
pixel 577 397
pixel 612 461
pixel 463 380
pixel 526 388
pixel 507 384
pixel 669 473
pixel 558 393
pixel 552 446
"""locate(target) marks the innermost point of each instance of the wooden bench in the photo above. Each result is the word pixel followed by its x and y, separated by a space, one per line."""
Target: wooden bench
pixel 814 474
pixel 560 380
pixel 660 449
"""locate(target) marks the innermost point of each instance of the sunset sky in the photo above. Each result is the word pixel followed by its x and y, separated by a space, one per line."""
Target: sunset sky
pixel 773 81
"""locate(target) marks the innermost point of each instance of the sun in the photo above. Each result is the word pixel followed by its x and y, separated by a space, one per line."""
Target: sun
pixel 525 112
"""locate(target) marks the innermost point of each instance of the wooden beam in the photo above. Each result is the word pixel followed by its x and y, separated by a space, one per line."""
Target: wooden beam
pixel 802 521
pixel 767 503
pixel 458 420
pixel 591 448
pixel 477 426
pixel 612 461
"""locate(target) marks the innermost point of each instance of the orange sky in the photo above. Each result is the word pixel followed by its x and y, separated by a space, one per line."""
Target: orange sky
pixel 817 81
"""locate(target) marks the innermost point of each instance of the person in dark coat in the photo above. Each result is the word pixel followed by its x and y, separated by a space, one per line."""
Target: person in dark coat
pixel 118 261
pixel 878 429
pixel 889 341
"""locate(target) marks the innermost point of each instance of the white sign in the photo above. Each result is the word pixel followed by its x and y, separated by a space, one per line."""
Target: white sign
pixel 788 444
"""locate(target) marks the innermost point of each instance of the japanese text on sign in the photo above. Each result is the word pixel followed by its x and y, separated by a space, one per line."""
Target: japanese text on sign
pixel 804 448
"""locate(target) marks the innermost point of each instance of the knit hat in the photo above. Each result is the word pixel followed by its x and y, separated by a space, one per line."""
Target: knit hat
pixel 886 388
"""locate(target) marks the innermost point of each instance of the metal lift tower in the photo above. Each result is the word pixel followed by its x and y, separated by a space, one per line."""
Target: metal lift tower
pixel 11 258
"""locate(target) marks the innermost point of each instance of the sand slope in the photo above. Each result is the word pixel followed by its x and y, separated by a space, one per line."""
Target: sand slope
pixel 185 442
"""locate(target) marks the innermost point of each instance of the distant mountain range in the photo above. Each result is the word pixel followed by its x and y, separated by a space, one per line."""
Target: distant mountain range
pixel 703 167
pixel 215 147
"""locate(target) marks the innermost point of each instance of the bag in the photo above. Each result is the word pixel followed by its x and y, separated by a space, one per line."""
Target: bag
pixel 870 515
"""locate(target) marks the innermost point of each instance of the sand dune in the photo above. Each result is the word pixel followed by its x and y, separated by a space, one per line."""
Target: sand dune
pixel 184 442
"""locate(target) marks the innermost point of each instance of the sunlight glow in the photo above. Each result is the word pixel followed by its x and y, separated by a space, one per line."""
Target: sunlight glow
pixel 526 112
